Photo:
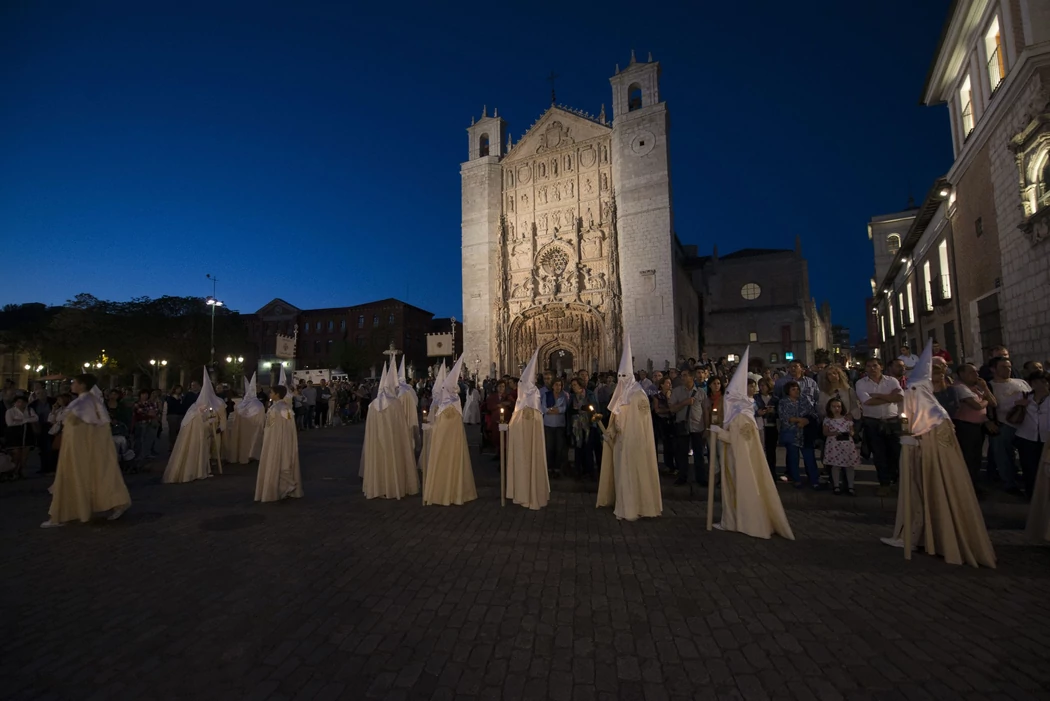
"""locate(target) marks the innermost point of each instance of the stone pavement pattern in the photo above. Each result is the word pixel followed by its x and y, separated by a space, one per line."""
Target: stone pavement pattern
pixel 200 593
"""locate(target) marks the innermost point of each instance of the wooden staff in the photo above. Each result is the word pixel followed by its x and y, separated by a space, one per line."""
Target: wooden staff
pixel 215 442
pixel 425 427
pixel 712 449
pixel 905 484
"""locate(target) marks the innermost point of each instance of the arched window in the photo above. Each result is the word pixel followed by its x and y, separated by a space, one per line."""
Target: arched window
pixel 893 244
pixel 483 145
pixel 634 97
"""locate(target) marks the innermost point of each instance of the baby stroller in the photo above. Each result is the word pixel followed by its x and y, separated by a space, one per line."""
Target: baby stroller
pixel 125 453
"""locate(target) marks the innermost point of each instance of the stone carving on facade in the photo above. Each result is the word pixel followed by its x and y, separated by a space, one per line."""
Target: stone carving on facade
pixel 587 157
pixel 524 174
pixel 605 154
pixel 588 186
pixel 556 193
pixel 589 222
pixel 541 195
pixel 542 169
pixel 541 223
pixel 605 182
pixel 555 219
pixel 568 163
pixel 555 136
pixel 554 168
pixel 571 189
pixel 521 256
pixel 1030 147
pixel 525 199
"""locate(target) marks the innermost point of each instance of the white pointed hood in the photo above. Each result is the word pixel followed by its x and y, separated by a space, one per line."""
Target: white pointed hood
pixel 528 392
pixel 282 380
pixel 736 401
pixel 435 391
pixel 449 392
pixel 250 405
pixel 387 392
pixel 923 410
pixel 626 385
pixel 206 401
pixel 402 383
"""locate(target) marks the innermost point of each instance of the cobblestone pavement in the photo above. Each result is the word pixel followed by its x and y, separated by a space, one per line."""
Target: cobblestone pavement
pixel 200 593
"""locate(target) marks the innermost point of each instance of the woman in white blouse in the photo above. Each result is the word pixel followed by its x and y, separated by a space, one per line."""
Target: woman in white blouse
pixel 20 434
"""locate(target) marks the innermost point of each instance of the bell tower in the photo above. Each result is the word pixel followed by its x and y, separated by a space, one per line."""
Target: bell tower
pixel 644 222
pixel 482 190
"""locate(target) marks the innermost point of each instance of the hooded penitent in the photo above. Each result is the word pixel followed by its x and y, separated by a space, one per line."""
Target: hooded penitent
pixel 206 401
pixel 528 392
pixel 736 401
pixel 250 405
pixel 402 381
pixel 626 385
pixel 436 391
pixel 387 393
pixel 89 407
pixel 923 410
pixel 448 398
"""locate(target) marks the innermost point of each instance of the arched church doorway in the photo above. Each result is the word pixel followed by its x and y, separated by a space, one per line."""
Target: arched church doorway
pixel 560 361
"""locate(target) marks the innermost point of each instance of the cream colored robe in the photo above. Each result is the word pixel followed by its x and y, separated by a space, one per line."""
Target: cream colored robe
pixel 750 502
pixel 279 476
pixel 388 467
pixel 1038 527
pixel 630 479
pixel 410 408
pixel 449 476
pixel 946 518
pixel 243 440
pixel 194 449
pixel 88 480
pixel 527 481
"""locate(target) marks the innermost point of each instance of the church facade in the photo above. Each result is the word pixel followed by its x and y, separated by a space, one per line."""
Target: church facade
pixel 568 239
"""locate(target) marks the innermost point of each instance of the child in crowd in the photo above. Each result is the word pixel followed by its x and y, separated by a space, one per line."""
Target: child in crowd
pixel 840 452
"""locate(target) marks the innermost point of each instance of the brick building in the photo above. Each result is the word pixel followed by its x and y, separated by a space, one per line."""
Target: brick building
pixel 992 70
pixel 328 338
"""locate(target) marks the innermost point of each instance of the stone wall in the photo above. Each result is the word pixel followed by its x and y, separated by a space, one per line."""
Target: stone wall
pixel 1025 268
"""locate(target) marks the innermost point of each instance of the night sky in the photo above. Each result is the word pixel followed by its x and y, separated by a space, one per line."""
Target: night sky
pixel 313 153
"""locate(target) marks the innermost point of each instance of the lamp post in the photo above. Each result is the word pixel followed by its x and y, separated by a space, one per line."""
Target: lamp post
pixel 156 365
pixel 213 302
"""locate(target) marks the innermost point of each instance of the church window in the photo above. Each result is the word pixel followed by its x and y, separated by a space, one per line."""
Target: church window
pixel 375 320
pixel 483 145
pixel 893 244
pixel 361 321
pixel 752 337
pixel 634 97
pixel 750 291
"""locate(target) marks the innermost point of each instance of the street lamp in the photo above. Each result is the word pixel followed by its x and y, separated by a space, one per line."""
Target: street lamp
pixel 213 303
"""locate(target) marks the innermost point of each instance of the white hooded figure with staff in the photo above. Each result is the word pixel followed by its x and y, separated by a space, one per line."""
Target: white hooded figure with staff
pixel 243 441
pixel 198 442
pixel 388 469
pixel 449 477
pixel 750 502
pixel 409 404
pixel 527 480
pixel 279 476
pixel 630 478
pixel 936 493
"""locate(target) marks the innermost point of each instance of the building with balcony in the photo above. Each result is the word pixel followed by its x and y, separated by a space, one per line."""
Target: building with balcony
pixel 992 70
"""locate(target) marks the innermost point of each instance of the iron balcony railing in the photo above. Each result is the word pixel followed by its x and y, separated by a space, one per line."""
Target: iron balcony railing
pixel 995 69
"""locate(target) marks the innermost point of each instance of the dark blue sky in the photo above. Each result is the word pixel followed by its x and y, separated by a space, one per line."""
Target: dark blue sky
pixel 313 153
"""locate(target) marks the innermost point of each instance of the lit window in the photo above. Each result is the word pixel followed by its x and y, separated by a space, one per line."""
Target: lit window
pixel 750 291
pixel 882 327
pixel 911 304
pixel 966 107
pixel 361 321
pixel 752 337
pixel 893 244
pixel 889 315
pixel 900 309
pixel 945 279
pixel 929 285
pixel 993 49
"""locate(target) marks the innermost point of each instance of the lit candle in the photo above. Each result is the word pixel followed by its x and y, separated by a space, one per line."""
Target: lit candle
pixel 501 414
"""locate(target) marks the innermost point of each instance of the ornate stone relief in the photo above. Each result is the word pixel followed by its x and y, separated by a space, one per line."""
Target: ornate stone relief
pixel 1031 147
pixel 556 136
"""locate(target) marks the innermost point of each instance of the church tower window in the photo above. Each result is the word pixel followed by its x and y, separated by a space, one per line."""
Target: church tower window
pixel 483 145
pixel 893 244
pixel 634 97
